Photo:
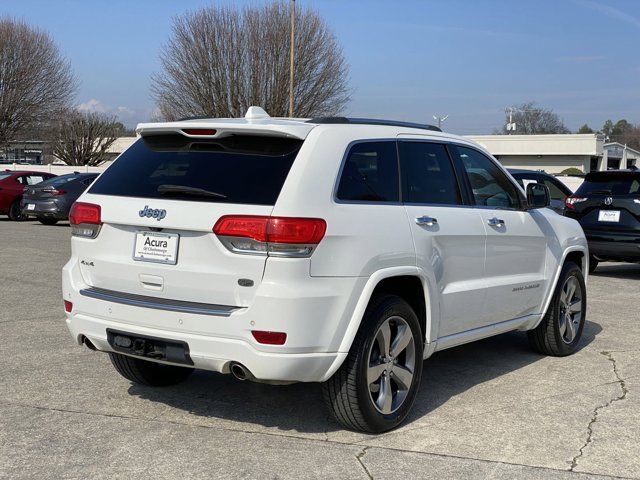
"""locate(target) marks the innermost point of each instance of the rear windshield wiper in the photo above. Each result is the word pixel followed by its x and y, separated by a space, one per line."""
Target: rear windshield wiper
pixel 184 190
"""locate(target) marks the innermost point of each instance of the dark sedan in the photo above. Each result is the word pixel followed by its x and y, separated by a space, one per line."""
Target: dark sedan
pixel 557 190
pixel 51 200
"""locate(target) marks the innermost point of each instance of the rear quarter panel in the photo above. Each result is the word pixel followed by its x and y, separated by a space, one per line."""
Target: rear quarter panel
pixel 361 238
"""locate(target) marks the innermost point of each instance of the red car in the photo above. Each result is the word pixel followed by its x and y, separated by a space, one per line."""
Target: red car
pixel 12 185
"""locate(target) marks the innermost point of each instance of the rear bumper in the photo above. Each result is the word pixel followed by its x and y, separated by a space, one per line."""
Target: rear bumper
pixel 314 316
pixel 45 208
pixel 614 246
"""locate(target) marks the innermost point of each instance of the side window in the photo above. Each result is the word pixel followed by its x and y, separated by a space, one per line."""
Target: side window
pixel 491 187
pixel 554 190
pixel 33 179
pixel 370 173
pixel 427 174
pixel 22 180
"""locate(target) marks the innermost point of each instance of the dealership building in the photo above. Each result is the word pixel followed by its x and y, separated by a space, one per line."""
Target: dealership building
pixel 551 153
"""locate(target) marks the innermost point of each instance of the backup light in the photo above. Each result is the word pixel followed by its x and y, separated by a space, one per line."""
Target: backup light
pixel 85 219
pixel 275 236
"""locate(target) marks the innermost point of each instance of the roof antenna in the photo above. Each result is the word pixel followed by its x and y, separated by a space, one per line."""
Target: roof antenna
pixel 256 113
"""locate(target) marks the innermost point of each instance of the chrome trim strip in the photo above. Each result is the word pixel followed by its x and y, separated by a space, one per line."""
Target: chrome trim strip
pixel 159 303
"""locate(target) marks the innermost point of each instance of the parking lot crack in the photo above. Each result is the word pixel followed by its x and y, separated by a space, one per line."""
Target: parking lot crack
pixel 359 457
pixel 624 390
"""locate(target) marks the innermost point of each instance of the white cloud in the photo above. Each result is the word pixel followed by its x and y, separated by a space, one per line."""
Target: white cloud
pixel 93 105
pixel 125 111
pixel 124 114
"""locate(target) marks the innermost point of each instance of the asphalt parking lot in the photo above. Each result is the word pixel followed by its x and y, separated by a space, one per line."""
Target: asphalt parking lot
pixel 492 409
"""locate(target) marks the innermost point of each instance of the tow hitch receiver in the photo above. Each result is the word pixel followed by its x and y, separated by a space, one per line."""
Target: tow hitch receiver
pixel 173 351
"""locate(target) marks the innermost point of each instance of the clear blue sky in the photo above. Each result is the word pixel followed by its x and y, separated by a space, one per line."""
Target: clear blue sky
pixel 409 59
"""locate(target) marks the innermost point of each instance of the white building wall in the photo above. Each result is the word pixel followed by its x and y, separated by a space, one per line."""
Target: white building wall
pixel 548 163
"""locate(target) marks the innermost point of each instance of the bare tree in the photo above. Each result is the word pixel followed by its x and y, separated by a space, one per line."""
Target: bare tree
pixel 84 138
pixel 35 80
pixel 533 120
pixel 220 60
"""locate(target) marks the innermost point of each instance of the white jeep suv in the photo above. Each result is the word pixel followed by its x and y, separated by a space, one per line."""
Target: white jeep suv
pixel 333 250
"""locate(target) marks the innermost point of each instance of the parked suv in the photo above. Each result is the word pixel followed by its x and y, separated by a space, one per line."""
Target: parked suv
pixel 50 201
pixel 333 250
pixel 607 205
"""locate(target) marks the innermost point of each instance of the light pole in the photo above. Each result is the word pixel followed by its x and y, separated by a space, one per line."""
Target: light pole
pixel 440 120
pixel 291 55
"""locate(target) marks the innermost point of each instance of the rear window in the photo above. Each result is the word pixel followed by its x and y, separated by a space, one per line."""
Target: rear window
pixel 61 180
pixel 235 169
pixel 610 184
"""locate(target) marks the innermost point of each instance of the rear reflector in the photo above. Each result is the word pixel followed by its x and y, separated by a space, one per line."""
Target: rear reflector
pixel 68 306
pixel 282 236
pixel 269 338
pixel 199 131
pixel 85 219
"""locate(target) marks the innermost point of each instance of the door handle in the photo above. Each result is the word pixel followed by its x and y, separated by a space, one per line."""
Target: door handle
pixel 427 221
pixel 496 222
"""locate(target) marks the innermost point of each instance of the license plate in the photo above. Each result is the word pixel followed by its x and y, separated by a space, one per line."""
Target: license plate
pixel 609 216
pixel 156 247
pixel 31 206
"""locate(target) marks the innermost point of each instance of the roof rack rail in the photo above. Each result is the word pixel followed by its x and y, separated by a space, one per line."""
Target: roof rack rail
pixel 372 121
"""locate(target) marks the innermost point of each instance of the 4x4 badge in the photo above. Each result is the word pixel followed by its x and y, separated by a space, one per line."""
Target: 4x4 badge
pixel 608 201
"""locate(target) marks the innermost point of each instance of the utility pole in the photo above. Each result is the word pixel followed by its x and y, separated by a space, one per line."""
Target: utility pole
pixel 291 55
pixel 440 120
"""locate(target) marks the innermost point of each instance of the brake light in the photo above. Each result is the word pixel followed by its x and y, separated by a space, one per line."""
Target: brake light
pixel 269 338
pixel 54 191
pixel 276 236
pixel 68 306
pixel 570 202
pixel 199 131
pixel 85 219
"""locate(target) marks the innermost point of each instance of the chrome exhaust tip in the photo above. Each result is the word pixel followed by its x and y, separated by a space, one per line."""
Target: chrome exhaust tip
pixel 87 343
pixel 240 372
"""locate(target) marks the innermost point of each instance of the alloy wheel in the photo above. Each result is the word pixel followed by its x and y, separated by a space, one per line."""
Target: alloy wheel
pixel 570 309
pixel 392 361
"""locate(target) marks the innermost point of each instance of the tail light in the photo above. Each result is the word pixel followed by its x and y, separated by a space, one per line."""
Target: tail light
pixel 85 219
pixel 571 201
pixel 54 191
pixel 269 338
pixel 274 236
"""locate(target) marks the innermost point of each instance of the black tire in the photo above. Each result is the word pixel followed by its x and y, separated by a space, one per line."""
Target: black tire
pixel 347 393
pixel 47 221
pixel 593 264
pixel 15 212
pixel 146 372
pixel 548 337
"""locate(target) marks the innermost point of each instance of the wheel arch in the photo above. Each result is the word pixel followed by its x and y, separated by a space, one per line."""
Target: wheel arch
pixel 394 280
pixel 577 254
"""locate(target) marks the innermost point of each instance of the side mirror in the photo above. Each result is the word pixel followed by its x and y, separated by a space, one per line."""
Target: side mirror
pixel 538 195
